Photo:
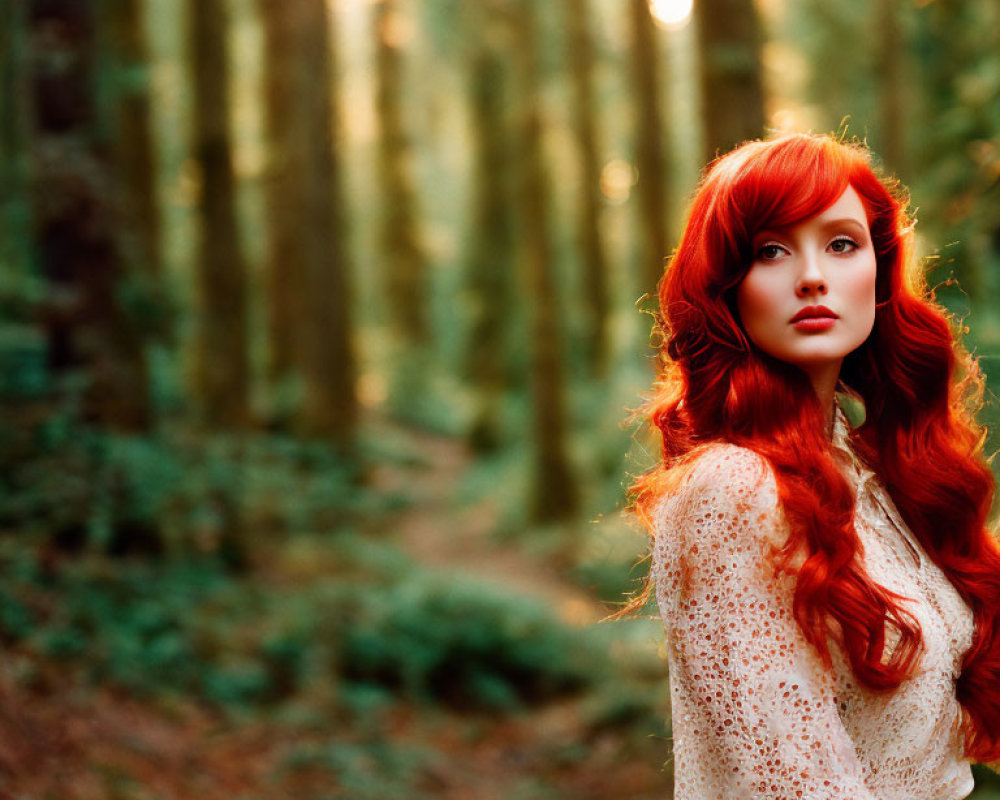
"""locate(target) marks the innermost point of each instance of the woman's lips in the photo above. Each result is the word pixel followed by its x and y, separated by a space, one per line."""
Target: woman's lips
pixel 810 324
pixel 814 318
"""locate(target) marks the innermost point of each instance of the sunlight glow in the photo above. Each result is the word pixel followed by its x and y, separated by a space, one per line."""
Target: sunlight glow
pixel 671 14
pixel 617 179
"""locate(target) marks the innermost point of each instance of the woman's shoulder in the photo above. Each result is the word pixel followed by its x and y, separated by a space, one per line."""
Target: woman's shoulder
pixel 724 508
pixel 719 479
pixel 723 466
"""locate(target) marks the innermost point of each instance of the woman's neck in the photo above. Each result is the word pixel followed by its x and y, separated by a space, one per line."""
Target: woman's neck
pixel 824 382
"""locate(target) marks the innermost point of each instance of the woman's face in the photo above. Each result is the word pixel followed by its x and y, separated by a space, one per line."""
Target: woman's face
pixel 809 296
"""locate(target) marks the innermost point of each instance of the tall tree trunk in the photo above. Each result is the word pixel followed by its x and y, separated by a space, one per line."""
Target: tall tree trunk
pixel 221 356
pixel 308 262
pixel 650 146
pixel 405 269
pixel 590 241
pixel 14 213
pixel 78 247
pixel 134 151
pixel 891 87
pixel 324 345
pixel 732 95
pixel 76 220
pixel 491 249
pixel 287 168
pixel 554 489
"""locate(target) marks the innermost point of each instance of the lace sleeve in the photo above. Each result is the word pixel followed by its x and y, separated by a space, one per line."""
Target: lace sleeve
pixel 754 708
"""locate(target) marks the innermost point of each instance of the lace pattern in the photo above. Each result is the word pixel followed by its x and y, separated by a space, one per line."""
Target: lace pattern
pixel 755 712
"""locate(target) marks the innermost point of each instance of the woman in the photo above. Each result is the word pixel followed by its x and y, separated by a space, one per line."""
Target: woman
pixel 831 595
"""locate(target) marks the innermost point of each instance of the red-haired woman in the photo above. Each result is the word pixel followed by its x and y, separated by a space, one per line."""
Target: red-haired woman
pixel 831 594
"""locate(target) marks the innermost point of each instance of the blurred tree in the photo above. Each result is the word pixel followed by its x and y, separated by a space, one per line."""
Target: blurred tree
pixel 732 96
pixel 23 344
pixel 651 146
pixel 957 154
pixel 309 293
pixel 404 264
pixel 892 86
pixel 94 335
pixel 842 59
pixel 479 37
pixel 133 150
pixel 77 221
pixel 221 370
pixel 490 249
pixel 14 232
pixel 286 173
pixel 588 229
pixel 554 487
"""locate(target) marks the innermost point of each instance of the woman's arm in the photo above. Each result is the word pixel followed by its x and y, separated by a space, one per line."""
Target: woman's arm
pixel 755 710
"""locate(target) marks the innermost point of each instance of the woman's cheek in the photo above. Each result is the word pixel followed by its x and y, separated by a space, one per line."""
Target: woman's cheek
pixel 758 306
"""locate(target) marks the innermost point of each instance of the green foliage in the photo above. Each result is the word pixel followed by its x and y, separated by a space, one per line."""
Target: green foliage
pixel 613 580
pixel 16 620
pixel 378 627
pixel 130 626
pixel 626 705
pixel 23 373
pixel 463 644
pixel 987 784
pixel 123 493
pixel 84 485
pixel 152 630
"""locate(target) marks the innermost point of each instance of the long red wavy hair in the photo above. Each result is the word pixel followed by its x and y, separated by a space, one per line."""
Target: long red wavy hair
pixel 920 391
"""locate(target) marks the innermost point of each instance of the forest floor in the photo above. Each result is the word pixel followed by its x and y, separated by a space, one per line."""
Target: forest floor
pixel 64 738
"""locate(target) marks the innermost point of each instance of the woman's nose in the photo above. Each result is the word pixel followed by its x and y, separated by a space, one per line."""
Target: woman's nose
pixel 810 285
pixel 810 279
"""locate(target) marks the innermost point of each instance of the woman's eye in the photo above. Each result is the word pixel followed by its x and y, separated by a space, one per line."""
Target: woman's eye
pixel 843 245
pixel 769 252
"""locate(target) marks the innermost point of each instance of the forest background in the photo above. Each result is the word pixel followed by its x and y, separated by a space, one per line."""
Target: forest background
pixel 321 323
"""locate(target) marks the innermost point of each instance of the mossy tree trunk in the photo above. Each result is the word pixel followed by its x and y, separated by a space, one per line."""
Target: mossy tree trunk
pixel 78 214
pixel 404 264
pixel 732 95
pixel 590 242
pixel 77 219
pixel 14 212
pixel 286 169
pixel 221 353
pixel 221 370
pixel 308 262
pixel 324 340
pixel 489 289
pixel 554 490
pixel 134 150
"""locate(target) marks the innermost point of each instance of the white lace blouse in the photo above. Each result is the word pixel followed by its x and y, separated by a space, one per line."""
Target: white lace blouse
pixel 755 712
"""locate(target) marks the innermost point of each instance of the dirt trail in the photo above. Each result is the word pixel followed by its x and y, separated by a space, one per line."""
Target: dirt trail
pixel 439 532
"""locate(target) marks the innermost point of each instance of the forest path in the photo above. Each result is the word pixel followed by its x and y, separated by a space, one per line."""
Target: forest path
pixel 449 528
pixel 441 531
pixel 61 732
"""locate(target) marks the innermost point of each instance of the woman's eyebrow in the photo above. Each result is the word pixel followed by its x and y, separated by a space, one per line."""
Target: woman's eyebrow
pixel 824 224
pixel 836 223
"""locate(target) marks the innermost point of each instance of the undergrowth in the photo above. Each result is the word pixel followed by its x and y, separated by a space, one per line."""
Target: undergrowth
pixel 377 628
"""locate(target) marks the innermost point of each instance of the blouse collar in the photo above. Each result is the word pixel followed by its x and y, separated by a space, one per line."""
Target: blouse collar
pixel 842 445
